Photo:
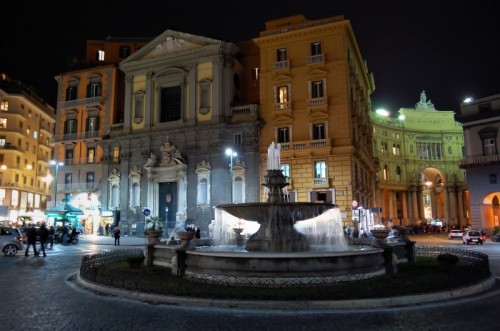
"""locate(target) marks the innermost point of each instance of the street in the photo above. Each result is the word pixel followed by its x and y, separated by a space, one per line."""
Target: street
pixel 40 294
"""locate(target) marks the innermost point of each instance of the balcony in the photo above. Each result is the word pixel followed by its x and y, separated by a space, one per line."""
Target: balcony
pixel 244 113
pixel 320 182
pixel 87 102
pixel 317 101
pixel 479 161
pixel 88 135
pixel 281 65
pixel 314 59
pixel 308 144
pixel 77 187
pixel 81 161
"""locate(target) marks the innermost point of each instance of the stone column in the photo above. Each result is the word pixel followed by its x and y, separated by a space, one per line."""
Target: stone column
pixel 446 204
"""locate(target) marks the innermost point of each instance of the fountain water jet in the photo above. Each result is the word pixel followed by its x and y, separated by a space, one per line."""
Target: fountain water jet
pixel 295 244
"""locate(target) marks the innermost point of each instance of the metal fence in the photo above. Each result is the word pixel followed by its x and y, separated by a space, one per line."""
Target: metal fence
pixel 473 258
pixel 90 263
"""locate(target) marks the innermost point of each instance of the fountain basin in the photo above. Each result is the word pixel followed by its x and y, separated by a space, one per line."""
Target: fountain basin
pixel 282 269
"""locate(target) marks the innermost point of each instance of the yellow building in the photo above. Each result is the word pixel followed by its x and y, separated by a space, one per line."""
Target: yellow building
pixel 315 102
pixel 26 127
pixel 419 178
pixel 90 100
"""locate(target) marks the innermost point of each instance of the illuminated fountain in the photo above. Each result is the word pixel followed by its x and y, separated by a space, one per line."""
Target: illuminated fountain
pixel 289 244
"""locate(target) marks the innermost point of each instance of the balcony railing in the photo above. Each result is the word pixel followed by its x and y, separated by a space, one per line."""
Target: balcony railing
pixel 300 145
pixel 93 135
pixel 244 112
pixel 317 101
pixel 320 58
pixel 281 65
pixel 77 187
pixel 478 161
pixel 87 102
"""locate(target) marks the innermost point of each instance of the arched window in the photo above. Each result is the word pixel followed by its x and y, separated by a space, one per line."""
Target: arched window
pixel 386 172
pixel 398 174
pixel 203 170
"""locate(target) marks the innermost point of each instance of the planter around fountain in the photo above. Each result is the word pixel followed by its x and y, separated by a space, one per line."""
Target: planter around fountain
pixel 185 237
pixel 380 236
pixel 154 236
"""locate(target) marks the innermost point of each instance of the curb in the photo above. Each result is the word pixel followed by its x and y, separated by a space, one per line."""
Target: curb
pixel 391 302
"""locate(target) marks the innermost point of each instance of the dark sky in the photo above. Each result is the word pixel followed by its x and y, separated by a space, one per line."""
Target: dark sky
pixel 449 48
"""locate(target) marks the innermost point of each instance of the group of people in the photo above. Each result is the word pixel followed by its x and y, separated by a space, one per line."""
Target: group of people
pixel 46 236
pixel 115 232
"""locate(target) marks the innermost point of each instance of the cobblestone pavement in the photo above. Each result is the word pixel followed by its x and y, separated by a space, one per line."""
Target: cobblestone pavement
pixel 39 294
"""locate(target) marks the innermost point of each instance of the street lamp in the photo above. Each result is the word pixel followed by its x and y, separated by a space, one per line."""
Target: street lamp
pixel 57 164
pixel 231 154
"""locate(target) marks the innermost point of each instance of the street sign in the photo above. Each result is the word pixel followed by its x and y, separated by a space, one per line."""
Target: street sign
pixel 146 212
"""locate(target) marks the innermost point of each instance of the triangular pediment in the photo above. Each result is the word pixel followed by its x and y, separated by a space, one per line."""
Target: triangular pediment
pixel 317 73
pixel 283 120
pixel 317 115
pixel 282 78
pixel 170 42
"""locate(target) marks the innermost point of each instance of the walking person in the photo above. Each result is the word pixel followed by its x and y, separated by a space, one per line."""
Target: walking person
pixel 44 236
pixel 52 234
pixel 31 239
pixel 116 234
pixel 106 228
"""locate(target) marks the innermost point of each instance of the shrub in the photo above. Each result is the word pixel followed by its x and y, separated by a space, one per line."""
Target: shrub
pixel 447 260
pixel 135 261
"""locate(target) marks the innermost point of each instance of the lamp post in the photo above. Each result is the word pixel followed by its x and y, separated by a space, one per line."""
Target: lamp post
pixel 231 154
pixel 57 164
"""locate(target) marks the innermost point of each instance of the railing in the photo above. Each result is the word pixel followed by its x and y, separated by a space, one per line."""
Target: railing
pixel 299 145
pixel 320 58
pixel 90 263
pixel 476 259
pixel 77 187
pixel 78 136
pixel 87 102
pixel 281 65
pixel 317 101
pixel 479 160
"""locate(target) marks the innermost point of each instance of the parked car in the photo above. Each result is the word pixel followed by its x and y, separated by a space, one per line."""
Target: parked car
pixel 453 234
pixel 472 236
pixel 11 240
pixel 495 237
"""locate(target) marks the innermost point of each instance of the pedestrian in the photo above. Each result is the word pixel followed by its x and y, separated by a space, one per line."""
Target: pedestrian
pixel 31 239
pixel 65 233
pixel 117 236
pixel 44 236
pixel 52 234
pixel 106 228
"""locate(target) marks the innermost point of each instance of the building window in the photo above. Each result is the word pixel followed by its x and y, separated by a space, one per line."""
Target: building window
pixel 203 189
pixel 318 131
pixel 398 174
pixel 283 135
pixel 255 76
pixel 319 169
pixel 3 123
pixel 316 48
pixel 170 104
pixel 116 154
pixel 124 51
pixel 489 147
pixel 282 97
pixel 285 168
pixel 386 172
pixel 70 129
pixel 94 90
pixel 317 89
pixel 68 157
pixel 238 139
pixel 91 155
pixel 396 149
pixel 71 93
pixel 68 179
pixel 281 55
pixel 100 55
pixel 4 105
pixel 90 180
pixel 92 126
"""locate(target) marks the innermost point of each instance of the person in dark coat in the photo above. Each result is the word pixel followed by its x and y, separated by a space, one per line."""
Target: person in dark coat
pixel 31 239
pixel 116 234
pixel 52 235
pixel 44 236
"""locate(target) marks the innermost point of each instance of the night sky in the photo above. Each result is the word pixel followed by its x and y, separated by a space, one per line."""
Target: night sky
pixel 449 48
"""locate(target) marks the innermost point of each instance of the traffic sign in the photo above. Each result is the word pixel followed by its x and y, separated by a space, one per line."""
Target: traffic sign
pixel 146 212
